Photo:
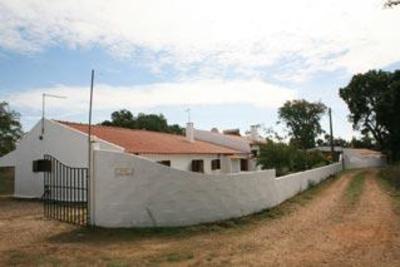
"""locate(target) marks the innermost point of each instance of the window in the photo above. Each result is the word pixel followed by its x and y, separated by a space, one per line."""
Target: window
pixel 198 165
pixel 244 165
pixel 215 164
pixel 254 152
pixel 165 162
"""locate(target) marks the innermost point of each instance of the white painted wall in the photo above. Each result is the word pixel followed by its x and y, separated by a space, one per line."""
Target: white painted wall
pixel 239 144
pixel 353 159
pixel 154 195
pixel 184 162
pixel 67 145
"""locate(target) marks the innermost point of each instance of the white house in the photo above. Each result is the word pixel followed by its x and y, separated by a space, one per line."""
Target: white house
pixel 248 145
pixel 68 142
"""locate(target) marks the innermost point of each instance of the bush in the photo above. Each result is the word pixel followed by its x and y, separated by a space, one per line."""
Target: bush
pixel 316 159
pixel 286 158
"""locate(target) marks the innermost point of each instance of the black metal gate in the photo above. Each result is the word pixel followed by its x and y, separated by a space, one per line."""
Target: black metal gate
pixel 66 191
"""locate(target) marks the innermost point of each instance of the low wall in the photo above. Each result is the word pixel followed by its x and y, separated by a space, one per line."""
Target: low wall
pixel 353 160
pixel 130 191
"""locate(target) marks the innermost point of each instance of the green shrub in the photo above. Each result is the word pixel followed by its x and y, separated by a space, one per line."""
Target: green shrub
pixel 286 158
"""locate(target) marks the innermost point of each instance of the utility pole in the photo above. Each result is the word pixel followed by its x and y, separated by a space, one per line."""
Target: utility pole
pixel 89 181
pixel 90 118
pixel 331 134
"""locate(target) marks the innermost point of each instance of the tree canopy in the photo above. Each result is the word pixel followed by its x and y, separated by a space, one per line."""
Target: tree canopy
pixel 302 118
pixel 373 99
pixel 10 128
pixel 152 122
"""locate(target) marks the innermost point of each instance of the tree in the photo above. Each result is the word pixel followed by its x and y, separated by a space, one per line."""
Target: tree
pixel 152 122
pixel 10 128
pixel 363 142
pixel 336 141
pixel 302 119
pixel 373 99
pixel 122 118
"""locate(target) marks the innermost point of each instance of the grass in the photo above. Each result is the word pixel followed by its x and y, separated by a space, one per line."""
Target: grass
pixel 21 258
pixel 6 181
pixel 355 188
pixel 391 174
pixel 174 257
pixel 390 182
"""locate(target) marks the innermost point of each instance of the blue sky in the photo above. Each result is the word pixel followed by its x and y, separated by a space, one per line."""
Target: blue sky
pixel 233 63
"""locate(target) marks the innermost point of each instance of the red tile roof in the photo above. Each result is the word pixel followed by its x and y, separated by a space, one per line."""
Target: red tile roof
pixel 149 142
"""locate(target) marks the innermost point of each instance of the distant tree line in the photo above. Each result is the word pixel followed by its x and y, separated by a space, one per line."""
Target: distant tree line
pixel 151 122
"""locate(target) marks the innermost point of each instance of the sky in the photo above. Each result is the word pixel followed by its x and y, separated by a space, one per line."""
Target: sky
pixel 233 63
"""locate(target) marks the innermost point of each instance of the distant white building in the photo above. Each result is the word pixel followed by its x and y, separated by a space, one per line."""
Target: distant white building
pixel 248 145
pixel 68 142
pixel 356 157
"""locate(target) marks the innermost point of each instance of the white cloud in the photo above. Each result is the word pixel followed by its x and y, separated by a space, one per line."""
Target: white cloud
pixel 188 93
pixel 246 35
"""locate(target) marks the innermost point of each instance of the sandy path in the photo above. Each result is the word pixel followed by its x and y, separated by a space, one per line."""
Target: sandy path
pixel 325 231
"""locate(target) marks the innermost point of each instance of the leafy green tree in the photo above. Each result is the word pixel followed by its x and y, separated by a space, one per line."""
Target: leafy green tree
pixel 122 118
pixel 10 128
pixel 302 118
pixel 275 156
pixel 286 158
pixel 152 122
pixel 373 99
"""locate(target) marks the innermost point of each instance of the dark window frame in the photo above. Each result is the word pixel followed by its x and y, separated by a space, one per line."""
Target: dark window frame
pixel 198 165
pixel 215 164
pixel 165 162
pixel 244 165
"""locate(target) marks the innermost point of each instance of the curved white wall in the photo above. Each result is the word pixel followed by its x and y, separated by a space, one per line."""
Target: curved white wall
pixel 130 191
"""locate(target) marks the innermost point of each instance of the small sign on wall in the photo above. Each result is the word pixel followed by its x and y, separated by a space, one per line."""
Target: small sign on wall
pixel 121 172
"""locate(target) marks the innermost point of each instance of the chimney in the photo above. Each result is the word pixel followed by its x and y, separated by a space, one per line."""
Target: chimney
pixel 190 132
pixel 254 132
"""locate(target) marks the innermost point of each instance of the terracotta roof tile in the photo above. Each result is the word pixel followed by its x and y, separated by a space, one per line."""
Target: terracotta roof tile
pixel 149 142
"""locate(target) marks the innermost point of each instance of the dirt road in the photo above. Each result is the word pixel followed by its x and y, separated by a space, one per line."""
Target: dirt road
pixel 322 228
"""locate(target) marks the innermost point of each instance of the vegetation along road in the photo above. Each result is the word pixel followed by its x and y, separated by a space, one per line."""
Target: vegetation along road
pixel 347 221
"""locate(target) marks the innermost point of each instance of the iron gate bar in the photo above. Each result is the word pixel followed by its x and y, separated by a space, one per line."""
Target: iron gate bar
pixel 66 191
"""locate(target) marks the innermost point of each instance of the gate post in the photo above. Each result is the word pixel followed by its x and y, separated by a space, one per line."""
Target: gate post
pixel 92 185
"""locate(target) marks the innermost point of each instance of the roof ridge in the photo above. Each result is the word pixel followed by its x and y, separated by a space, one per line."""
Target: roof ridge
pixel 118 127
